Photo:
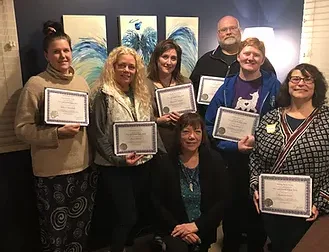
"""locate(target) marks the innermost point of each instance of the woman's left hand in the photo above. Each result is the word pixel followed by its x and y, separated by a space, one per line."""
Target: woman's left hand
pixel 174 116
pixel 192 239
pixel 184 229
pixel 314 215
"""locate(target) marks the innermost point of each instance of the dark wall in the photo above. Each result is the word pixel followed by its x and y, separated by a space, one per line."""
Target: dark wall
pixel 17 202
pixel 285 16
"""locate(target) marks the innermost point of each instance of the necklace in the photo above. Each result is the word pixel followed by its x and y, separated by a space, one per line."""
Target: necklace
pixel 190 175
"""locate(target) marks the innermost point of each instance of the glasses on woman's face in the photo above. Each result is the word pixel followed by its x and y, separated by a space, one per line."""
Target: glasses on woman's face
pixel 297 79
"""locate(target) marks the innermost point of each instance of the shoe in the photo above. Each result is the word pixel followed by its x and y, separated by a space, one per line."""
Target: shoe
pixel 158 244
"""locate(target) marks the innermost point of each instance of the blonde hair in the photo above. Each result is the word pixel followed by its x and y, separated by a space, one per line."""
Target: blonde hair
pixel 138 85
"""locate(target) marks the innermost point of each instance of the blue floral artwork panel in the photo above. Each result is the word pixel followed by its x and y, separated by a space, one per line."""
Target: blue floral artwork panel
pixel 139 33
pixel 185 31
pixel 89 44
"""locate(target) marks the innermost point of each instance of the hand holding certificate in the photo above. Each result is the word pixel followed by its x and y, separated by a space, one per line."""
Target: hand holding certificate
pixel 178 99
pixel 135 137
pixel 233 125
pixel 66 107
pixel 208 87
pixel 285 194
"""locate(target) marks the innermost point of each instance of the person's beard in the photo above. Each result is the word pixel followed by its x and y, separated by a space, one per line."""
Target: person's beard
pixel 229 42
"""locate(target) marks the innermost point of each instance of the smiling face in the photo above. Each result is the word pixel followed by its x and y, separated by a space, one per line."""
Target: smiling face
pixel 301 89
pixel 125 70
pixel 59 55
pixel 167 62
pixel 190 138
pixel 250 59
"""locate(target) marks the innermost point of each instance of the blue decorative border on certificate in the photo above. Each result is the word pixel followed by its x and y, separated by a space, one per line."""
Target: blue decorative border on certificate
pixel 67 92
pixel 169 89
pixel 234 111
pixel 201 86
pixel 308 200
pixel 136 124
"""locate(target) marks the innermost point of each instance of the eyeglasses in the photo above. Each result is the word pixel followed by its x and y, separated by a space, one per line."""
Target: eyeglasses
pixel 231 28
pixel 297 79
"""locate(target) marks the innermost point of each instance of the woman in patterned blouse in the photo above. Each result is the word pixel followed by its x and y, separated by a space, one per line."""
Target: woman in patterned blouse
pixel 294 140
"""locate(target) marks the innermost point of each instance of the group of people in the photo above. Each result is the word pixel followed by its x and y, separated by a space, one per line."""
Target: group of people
pixel 194 181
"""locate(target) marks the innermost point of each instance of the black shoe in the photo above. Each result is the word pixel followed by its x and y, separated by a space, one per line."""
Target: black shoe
pixel 158 244
pixel 196 248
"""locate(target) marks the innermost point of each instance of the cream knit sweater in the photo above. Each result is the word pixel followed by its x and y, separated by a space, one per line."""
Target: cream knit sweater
pixel 50 156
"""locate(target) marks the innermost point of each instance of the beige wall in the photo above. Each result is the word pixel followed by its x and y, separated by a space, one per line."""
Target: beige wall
pixel 315 35
pixel 10 77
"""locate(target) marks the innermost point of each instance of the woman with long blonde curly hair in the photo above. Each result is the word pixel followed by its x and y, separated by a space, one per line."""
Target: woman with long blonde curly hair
pixel 121 96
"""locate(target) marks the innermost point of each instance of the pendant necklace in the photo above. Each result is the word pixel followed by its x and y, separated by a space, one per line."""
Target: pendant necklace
pixel 190 175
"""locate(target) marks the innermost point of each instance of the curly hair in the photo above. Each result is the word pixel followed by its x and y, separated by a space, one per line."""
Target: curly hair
pixel 161 47
pixel 138 85
pixel 320 86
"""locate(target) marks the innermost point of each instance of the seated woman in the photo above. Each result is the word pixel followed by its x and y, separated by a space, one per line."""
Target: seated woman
pixel 298 132
pixel 122 97
pixel 189 189
pixel 251 90
pixel 164 71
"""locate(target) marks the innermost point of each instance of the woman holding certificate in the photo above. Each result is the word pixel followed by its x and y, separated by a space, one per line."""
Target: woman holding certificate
pixel 123 96
pixel 252 90
pixel 164 71
pixel 64 183
pixel 294 140
pixel 189 189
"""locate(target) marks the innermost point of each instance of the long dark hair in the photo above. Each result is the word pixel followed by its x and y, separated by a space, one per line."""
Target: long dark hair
pixel 189 119
pixel 53 31
pixel 161 47
pixel 320 86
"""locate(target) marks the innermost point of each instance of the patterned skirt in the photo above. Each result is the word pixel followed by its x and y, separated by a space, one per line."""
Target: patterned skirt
pixel 65 204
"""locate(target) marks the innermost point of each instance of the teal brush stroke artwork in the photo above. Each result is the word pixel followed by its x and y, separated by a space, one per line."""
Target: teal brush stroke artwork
pixel 89 44
pixel 186 39
pixel 139 33
pixel 89 56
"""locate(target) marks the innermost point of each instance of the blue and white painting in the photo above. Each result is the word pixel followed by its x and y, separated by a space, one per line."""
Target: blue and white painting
pixel 139 33
pixel 89 45
pixel 185 31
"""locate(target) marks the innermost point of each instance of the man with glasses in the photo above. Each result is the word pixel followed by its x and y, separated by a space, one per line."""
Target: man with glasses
pixel 222 61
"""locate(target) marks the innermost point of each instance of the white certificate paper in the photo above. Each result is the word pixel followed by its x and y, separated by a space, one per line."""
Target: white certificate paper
pixel 233 124
pixel 208 87
pixel 138 137
pixel 285 194
pixel 66 107
pixel 178 99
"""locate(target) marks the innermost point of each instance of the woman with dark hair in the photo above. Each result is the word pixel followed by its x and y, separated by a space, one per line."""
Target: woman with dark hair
pixel 64 182
pixel 298 132
pixel 164 71
pixel 189 189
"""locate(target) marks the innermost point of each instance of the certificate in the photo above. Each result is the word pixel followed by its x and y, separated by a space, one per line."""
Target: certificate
pixel 178 99
pixel 138 137
pixel 233 124
pixel 66 107
pixel 208 87
pixel 285 194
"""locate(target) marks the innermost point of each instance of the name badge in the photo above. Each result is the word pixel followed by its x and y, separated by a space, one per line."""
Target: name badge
pixel 270 128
